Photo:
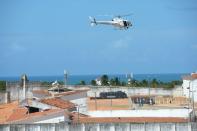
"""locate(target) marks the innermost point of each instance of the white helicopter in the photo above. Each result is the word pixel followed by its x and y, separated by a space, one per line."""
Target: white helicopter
pixel 117 22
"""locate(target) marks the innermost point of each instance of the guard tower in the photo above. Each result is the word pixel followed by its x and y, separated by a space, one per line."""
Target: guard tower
pixel 23 84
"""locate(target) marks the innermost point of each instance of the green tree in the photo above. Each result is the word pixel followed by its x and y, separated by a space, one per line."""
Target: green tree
pixel 93 82
pixel 134 83
pixel 2 86
pixel 46 84
pixel 82 82
pixel 123 83
pixel 61 82
pixel 154 83
pixel 144 83
pixel 104 80
pixel 112 82
pixel 117 82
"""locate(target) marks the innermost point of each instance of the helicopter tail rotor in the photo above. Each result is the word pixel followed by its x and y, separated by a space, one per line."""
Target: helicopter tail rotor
pixel 92 21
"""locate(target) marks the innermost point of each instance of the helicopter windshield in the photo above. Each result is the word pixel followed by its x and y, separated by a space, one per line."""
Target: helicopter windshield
pixel 125 23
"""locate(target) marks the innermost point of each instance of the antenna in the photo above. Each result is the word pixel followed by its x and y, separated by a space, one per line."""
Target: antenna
pixel 65 77
pixel 129 77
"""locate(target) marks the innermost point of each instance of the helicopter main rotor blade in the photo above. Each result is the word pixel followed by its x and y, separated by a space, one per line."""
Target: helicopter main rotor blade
pixel 125 15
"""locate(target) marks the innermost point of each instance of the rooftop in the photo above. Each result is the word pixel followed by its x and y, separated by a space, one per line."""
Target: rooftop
pixel 21 115
pixel 41 92
pixel 6 110
pixel 57 102
pixel 193 76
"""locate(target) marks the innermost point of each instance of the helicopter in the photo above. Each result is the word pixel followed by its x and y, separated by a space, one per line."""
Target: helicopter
pixel 117 22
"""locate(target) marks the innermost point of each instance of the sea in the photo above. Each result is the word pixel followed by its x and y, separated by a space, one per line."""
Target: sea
pixel 75 79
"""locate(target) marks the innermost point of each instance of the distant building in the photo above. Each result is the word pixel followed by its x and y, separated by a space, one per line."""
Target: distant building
pixel 98 81
pixel 129 78
pixel 190 86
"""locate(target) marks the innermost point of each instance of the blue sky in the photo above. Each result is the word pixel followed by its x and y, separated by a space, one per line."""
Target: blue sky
pixel 45 37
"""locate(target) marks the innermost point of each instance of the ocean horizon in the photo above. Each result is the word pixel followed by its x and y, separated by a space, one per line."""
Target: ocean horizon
pixel 75 79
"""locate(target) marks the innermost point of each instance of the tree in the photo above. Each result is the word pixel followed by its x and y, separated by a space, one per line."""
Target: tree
pixel 112 82
pixel 82 82
pixel 117 82
pixel 144 83
pixel 154 83
pixel 123 83
pixel 93 82
pixel 104 80
pixel 2 86
pixel 134 83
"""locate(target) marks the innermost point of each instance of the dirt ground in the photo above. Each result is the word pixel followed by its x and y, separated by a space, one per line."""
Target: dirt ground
pixel 108 104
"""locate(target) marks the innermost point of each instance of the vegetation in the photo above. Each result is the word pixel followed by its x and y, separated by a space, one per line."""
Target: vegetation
pixel 49 84
pixel 2 86
pixel 82 82
pixel 154 83
pixel 104 80
pixel 46 84
pixel 93 82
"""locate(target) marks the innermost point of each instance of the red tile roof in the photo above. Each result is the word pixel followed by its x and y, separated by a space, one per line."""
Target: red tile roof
pixel 194 75
pixel 21 114
pixel 57 102
pixel 18 113
pixel 6 110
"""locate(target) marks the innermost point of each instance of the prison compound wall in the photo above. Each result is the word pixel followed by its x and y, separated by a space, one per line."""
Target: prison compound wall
pixel 103 127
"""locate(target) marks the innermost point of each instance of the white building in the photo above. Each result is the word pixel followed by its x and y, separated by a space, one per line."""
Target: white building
pixel 98 81
pixel 190 86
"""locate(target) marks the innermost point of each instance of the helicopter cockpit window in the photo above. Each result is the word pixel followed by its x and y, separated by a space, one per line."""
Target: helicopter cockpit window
pixel 125 23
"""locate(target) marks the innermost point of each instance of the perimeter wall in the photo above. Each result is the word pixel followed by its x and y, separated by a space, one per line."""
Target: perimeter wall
pixel 103 127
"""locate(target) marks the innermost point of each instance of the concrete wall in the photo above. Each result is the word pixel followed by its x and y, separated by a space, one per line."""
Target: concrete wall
pixel 177 91
pixel 193 89
pixel 3 98
pixel 130 91
pixel 103 127
pixel 16 91
pixel 181 113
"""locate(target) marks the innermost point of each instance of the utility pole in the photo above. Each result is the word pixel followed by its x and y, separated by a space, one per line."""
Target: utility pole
pixel 193 108
pixel 189 106
pixel 78 113
pixel 149 85
pixel 65 78
pixel 95 101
